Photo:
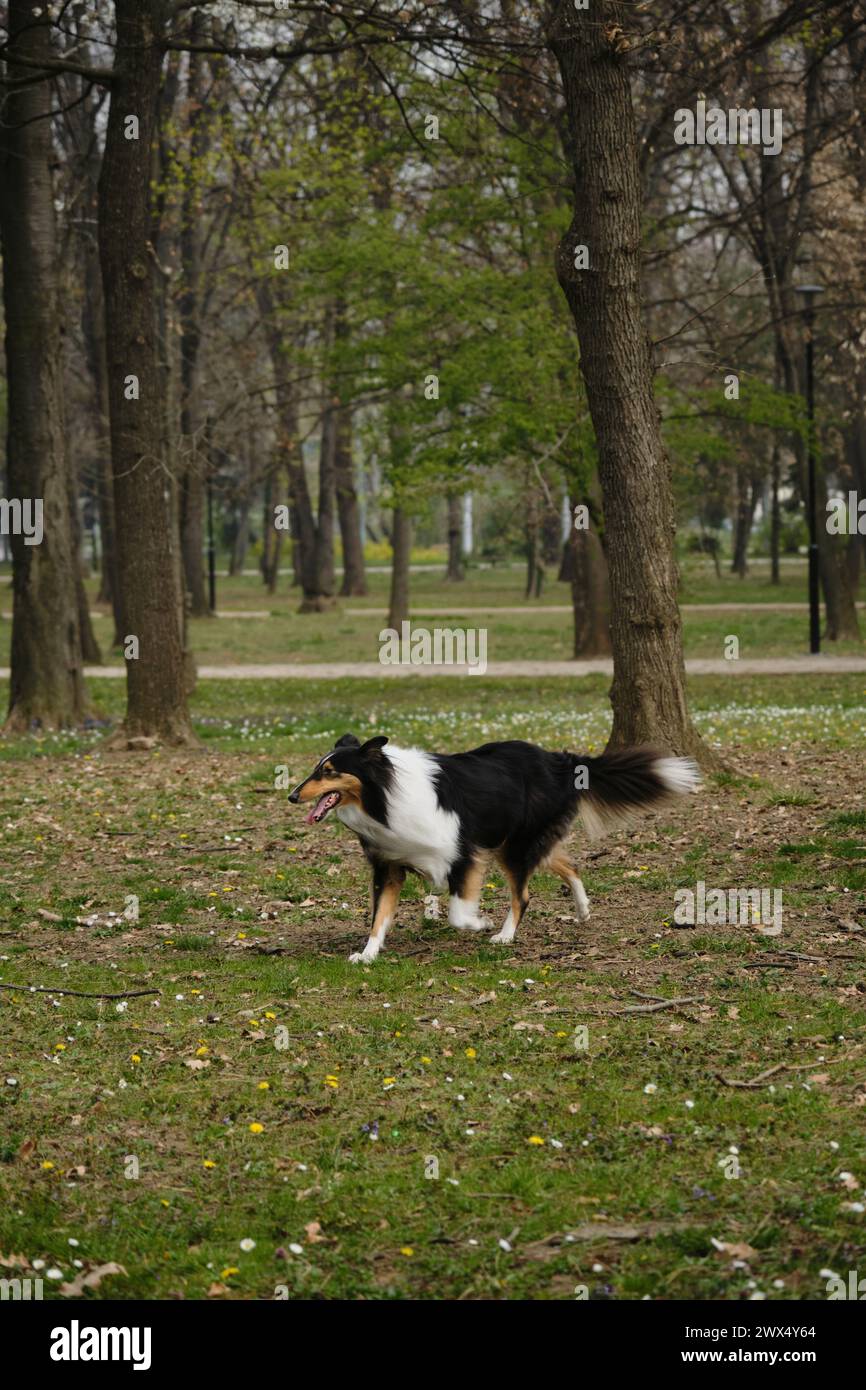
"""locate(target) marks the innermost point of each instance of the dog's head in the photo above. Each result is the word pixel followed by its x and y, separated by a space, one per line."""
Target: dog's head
pixel 341 776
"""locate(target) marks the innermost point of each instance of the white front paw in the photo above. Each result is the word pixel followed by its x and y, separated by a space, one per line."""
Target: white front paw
pixel 503 937
pixel 365 957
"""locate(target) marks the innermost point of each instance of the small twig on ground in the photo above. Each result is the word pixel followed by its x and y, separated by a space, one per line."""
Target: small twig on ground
pixel 782 1066
pixel 82 993
pixel 660 1004
pixel 756 1080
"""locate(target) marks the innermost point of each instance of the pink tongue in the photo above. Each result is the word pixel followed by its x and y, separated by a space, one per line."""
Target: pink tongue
pixel 310 817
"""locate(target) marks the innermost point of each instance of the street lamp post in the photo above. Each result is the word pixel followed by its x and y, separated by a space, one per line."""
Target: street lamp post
pixel 810 293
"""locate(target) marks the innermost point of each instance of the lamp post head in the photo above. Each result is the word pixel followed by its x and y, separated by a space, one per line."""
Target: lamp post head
pixel 810 294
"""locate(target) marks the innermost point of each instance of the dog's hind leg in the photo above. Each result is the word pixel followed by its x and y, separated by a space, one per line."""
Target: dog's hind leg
pixel 517 877
pixel 464 885
pixel 559 863
pixel 388 879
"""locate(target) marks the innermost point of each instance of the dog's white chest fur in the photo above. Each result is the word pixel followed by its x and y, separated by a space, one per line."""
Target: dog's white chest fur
pixel 419 832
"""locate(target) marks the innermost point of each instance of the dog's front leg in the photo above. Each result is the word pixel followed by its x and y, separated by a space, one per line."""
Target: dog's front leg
pixel 388 880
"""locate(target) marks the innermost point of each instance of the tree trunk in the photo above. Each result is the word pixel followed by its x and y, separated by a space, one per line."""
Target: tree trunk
pixel 533 551
pixel 648 692
pixel 195 462
pixel 747 498
pixel 147 559
pixel 456 572
pixel 590 592
pixel 354 579
pixel 319 594
pixel 401 545
pixel 775 518
pixel 241 541
pixel 46 686
pixel 90 652
pixel 93 332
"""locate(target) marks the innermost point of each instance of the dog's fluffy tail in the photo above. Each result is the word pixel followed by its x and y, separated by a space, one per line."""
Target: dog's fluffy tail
pixel 617 785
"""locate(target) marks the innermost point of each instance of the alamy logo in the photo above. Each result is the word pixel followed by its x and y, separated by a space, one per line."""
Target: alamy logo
pixel 22 518
pixel 20 1289
pixel 719 907
pixel 735 127
pixel 837 1288
pixel 444 646
pixel 76 1343
pixel 846 519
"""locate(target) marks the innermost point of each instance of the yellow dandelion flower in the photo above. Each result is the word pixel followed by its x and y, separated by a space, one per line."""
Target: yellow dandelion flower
pixel 60 1047
pixel 135 1058
pixel 407 1251
pixel 264 1086
pixel 201 1051
pixel 208 1163
pixel 535 1139
pixel 470 1052
pixel 256 1128
pixel 427 1061
pixel 47 1165
pixel 270 1015
pixel 229 1271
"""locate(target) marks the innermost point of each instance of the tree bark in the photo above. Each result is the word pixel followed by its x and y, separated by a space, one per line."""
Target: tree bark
pixel 46 684
pixel 456 572
pixel 354 579
pixel 775 517
pixel 401 546
pixel 195 462
pixel 148 563
pixel 747 499
pixel 648 692
pixel 319 594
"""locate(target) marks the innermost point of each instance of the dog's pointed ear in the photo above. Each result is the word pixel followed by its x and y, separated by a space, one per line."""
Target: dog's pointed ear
pixel 374 745
pixel 348 741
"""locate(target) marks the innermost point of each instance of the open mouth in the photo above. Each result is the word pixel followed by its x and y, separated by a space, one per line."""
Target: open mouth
pixel 324 804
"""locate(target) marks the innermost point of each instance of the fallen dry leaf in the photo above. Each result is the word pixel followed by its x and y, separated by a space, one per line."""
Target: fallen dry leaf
pixel 90 1279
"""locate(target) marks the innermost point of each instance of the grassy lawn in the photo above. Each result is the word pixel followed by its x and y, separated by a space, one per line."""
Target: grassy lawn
pixel 281 634
pixel 620 1166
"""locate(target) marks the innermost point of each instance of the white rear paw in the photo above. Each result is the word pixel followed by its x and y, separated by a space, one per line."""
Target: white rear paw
pixel 503 937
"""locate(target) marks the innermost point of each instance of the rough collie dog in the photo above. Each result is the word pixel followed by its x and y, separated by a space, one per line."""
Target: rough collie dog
pixel 444 815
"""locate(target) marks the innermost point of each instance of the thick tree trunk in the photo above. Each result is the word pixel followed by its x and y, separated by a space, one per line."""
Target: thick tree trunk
pixel 93 331
pixel 147 558
pixel 354 579
pixel 648 692
pixel 401 546
pixel 46 685
pixel 195 461
pixel 456 572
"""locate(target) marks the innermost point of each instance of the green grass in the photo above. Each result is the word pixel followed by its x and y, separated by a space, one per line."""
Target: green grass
pixel 284 635
pixel 245 920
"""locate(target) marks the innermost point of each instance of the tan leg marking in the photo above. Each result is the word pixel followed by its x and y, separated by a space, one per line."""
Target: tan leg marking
pixel 559 863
